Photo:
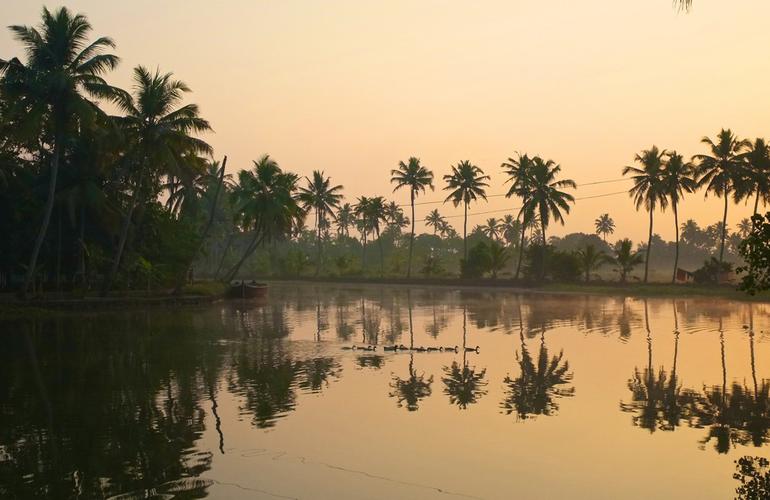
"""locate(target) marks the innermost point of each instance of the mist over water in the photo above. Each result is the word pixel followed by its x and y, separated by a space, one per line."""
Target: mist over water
pixel 260 400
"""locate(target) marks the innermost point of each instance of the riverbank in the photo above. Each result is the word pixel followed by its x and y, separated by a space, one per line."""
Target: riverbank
pixel 597 288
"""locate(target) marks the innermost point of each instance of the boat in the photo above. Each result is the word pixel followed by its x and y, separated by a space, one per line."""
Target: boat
pixel 245 289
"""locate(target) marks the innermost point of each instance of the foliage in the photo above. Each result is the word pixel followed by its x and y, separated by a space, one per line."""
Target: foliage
pixel 710 270
pixel 755 250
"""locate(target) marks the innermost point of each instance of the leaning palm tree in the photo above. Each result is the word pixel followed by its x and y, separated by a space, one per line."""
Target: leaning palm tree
pixel 721 172
pixel 543 196
pixel 416 178
pixel 648 189
pixel 626 258
pixel 604 225
pixel 52 91
pixel 160 132
pixel 434 220
pixel 323 198
pixel 678 178
pixel 756 174
pixel 466 183
pixel 519 175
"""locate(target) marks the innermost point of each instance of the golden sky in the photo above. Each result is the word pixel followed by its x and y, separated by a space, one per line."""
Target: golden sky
pixel 353 87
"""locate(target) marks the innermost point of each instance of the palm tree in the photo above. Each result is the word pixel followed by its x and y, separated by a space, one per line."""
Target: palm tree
pixel 604 226
pixel 591 259
pixel 52 90
pixel 266 205
pixel 466 183
pixel 678 178
pixel 345 219
pixel 720 172
pixel 510 228
pixel 464 385
pixel 319 195
pixel 744 227
pixel 160 132
pixel 648 189
pixel 371 211
pixel 544 197
pixel 519 175
pixel 434 220
pixel 417 178
pixel 626 258
pixel 491 229
pixel 498 257
pixel 756 173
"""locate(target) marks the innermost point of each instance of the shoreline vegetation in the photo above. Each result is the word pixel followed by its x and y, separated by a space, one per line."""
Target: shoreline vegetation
pixel 95 203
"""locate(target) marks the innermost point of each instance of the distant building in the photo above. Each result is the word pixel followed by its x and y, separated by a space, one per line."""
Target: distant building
pixel 684 276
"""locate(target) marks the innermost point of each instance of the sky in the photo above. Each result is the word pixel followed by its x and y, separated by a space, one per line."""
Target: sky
pixel 352 88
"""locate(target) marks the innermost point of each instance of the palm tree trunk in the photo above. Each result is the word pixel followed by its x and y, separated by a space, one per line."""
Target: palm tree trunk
pixel 382 258
pixel 58 250
pixel 521 250
pixel 676 232
pixel 318 241
pixel 363 251
pixel 411 241
pixel 32 267
pixel 123 237
pixel 465 233
pixel 205 234
pixel 649 247
pixel 82 246
pixel 756 202
pixel 249 250
pixel 230 238
pixel 724 234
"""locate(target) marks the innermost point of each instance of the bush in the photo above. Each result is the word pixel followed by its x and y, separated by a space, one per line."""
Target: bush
pixel 479 261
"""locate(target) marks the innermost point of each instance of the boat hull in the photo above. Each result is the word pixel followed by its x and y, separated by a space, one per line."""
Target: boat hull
pixel 247 290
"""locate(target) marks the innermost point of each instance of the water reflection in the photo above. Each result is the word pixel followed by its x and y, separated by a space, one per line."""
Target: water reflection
pixel 145 403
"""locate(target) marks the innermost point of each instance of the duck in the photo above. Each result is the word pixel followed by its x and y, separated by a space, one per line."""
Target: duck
pixel 420 349
pixel 348 348
pixel 368 348
pixel 451 348
pixel 433 349
pixel 390 348
pixel 403 347
pixel 472 349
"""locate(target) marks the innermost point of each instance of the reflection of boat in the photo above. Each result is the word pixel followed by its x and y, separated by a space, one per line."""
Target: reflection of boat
pixel 242 289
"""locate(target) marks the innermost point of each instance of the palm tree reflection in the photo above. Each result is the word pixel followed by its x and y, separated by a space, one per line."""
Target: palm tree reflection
pixel 536 390
pixel 409 391
pixel 462 384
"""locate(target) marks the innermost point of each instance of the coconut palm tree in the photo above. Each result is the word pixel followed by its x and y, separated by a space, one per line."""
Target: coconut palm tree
pixel 394 217
pixel 160 131
pixel 53 91
pixel 648 189
pixel 604 226
pixel 678 178
pixel 510 228
pixel 720 172
pixel 464 385
pixel 434 220
pixel 756 172
pixel 491 229
pixel 744 227
pixel 417 179
pixel 372 213
pixel 626 258
pixel 344 219
pixel 518 171
pixel 543 196
pixel 266 205
pixel 591 259
pixel 323 198
pixel 466 183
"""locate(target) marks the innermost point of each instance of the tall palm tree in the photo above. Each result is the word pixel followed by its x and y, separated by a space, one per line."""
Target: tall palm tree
pixel 648 189
pixel 161 132
pixel 466 183
pixel 678 178
pixel 53 91
pixel 721 171
pixel 323 198
pixel 266 205
pixel 371 212
pixel 544 197
pixel 756 174
pixel 345 219
pixel 519 175
pixel 434 220
pixel 604 226
pixel 416 178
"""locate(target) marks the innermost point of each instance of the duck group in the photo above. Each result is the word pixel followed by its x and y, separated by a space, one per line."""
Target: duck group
pixel 402 347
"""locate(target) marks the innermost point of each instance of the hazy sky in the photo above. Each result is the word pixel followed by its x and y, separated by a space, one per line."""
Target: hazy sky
pixel 352 87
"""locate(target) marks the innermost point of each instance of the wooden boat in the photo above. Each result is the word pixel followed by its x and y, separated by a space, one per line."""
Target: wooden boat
pixel 245 289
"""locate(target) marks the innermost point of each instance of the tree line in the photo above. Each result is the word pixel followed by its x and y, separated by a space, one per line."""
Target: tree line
pixel 132 197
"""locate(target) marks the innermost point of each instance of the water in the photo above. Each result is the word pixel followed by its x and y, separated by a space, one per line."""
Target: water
pixel 568 396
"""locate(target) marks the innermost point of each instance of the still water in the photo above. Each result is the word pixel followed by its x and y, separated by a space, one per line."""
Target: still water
pixel 567 397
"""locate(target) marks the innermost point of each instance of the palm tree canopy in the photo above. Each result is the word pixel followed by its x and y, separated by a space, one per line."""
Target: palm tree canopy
pixel 648 189
pixel 604 224
pixel 755 172
pixel 466 183
pixel 543 195
pixel 678 177
pixel 320 195
pixel 412 175
pixel 721 170
pixel 519 174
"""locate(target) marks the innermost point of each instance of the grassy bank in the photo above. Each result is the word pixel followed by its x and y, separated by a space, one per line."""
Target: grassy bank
pixel 599 288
